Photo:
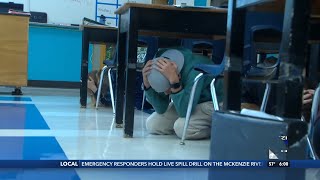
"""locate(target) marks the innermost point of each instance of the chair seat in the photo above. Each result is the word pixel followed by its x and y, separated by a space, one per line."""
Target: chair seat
pixel 260 73
pixel 109 63
pixel 212 69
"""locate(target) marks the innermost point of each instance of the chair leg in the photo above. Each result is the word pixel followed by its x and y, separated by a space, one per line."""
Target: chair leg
pixel 313 118
pixel 100 85
pixel 313 156
pixel 311 152
pixel 143 100
pixel 314 110
pixel 265 97
pixel 111 91
pixel 214 95
pixel 186 124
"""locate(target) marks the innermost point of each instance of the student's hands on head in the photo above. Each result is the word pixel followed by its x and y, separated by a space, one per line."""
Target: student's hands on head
pixel 145 72
pixel 169 69
pixel 307 96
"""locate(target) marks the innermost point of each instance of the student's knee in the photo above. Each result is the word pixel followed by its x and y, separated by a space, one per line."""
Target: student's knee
pixel 152 123
pixel 158 124
pixel 194 131
pixel 179 126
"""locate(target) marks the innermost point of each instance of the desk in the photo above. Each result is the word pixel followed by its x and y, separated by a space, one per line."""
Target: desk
pixel 97 35
pixel 293 49
pixel 159 20
pixel 14 50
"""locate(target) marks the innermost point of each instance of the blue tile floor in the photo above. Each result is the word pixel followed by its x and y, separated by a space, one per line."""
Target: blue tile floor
pixel 14 98
pixel 27 116
pixel 21 116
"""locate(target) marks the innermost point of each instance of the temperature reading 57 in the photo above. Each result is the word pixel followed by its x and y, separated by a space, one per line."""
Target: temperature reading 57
pixel 284 138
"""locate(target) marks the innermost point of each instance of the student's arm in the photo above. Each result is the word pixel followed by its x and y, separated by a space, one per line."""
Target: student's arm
pixel 159 101
pixel 181 98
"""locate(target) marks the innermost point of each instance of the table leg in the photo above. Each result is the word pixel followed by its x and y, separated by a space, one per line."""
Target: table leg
pixel 292 54
pixel 313 64
pixel 131 68
pixel 84 69
pixel 234 50
pixel 120 78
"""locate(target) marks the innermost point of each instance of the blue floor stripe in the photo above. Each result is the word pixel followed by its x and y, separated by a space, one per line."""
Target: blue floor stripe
pixel 21 116
pixel 35 174
pixel 33 148
pixel 30 148
pixel 13 98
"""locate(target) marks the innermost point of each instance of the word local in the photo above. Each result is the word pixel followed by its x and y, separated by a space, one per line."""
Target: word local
pixel 69 164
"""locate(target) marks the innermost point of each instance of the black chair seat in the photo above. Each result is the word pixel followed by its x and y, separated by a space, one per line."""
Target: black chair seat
pixel 258 73
pixel 211 69
pixel 109 63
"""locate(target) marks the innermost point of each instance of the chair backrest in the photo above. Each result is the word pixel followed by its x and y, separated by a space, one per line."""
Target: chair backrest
pixel 264 39
pixel 151 45
pixel 147 47
pixel 214 48
pixel 258 19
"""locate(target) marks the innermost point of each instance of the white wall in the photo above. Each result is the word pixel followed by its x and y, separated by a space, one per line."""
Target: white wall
pixel 73 11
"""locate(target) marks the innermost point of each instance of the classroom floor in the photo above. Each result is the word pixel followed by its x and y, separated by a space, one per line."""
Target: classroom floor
pixel 49 124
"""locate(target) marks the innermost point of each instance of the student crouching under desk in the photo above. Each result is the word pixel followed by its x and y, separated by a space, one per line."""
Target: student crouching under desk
pixel 168 80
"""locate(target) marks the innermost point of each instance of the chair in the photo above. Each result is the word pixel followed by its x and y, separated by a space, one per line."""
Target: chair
pixel 314 131
pixel 264 40
pixel 255 73
pixel 149 42
pixel 214 48
pixel 239 137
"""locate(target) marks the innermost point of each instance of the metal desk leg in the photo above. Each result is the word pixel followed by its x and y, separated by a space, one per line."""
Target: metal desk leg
pixel 293 53
pixel 84 69
pixel 131 68
pixel 234 51
pixel 120 77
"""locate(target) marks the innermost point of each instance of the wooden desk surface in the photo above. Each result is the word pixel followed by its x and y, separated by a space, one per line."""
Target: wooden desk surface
pixel 274 5
pixel 126 6
pixel 10 14
pixel 97 27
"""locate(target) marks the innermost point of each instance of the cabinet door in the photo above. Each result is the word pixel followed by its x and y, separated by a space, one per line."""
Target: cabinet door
pixel 14 50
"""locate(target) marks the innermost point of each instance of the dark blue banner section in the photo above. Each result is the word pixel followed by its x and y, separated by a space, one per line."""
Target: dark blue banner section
pixel 157 164
pixel 129 164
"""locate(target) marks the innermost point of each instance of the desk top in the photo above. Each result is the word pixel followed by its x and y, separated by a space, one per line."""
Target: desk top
pixel 273 5
pixel 53 25
pixel 126 6
pixel 97 27
pixel 10 14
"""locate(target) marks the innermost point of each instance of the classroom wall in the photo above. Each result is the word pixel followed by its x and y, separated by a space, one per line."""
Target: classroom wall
pixel 61 11
pixel 54 54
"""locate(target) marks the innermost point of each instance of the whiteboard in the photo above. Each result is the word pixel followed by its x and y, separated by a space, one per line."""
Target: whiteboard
pixel 61 11
pixel 65 11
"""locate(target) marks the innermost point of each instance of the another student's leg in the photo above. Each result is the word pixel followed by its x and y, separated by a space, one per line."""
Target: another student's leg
pixel 162 123
pixel 200 122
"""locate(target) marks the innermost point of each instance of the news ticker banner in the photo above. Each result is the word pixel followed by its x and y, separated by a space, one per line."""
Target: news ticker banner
pixel 157 164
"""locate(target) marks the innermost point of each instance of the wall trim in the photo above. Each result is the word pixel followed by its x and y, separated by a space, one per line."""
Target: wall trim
pixel 54 84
